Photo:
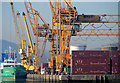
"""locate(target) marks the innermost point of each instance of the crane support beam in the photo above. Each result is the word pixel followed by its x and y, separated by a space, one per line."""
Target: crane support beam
pixel 98 22
pixel 97 18
pixel 98 32
pixel 51 6
pixel 42 19
pixel 68 3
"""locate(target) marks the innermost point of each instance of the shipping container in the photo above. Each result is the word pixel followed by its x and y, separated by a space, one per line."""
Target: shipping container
pixel 115 70
pixel 95 62
pixel 90 70
pixel 98 61
pixel 115 54
pixel 115 57
pixel 6 56
pixel 90 54
pixel 44 65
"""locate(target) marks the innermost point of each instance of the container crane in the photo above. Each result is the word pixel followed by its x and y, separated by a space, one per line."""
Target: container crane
pixel 65 24
pixel 17 34
pixel 38 31
pixel 25 48
pixel 24 51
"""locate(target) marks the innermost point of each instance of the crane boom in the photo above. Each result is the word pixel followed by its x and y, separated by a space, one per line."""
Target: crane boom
pixel 43 20
pixel 28 34
pixel 21 26
pixel 32 23
pixel 51 6
pixel 15 25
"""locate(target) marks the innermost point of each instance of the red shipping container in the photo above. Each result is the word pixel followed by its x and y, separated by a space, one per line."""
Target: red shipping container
pixel 44 65
pixel 90 70
pixel 90 54
pixel 115 54
pixel 115 70
pixel 115 57
pixel 77 62
pixel 115 62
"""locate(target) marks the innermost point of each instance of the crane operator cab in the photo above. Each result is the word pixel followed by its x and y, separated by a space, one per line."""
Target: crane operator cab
pixel 68 15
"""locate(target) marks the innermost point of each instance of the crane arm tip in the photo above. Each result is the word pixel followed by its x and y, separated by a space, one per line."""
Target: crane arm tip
pixel 11 2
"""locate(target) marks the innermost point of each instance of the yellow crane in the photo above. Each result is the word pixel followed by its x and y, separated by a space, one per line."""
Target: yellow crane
pixel 24 51
pixel 18 35
pixel 65 24
pixel 31 67
pixel 38 31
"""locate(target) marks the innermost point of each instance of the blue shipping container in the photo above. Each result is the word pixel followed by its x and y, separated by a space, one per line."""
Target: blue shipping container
pixel 8 56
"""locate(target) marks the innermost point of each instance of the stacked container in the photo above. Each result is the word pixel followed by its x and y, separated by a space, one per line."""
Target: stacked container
pixel 115 58
pixel 90 62
pixel 6 56
pixel 44 65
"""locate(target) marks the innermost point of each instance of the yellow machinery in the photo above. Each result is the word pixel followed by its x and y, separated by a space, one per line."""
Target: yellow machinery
pixel 38 31
pixel 24 51
pixel 64 23
pixel 31 67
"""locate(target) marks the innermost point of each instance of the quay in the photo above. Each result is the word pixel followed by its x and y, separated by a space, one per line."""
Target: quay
pixel 75 78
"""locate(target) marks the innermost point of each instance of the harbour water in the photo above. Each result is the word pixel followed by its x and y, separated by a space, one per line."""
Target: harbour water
pixel 38 81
